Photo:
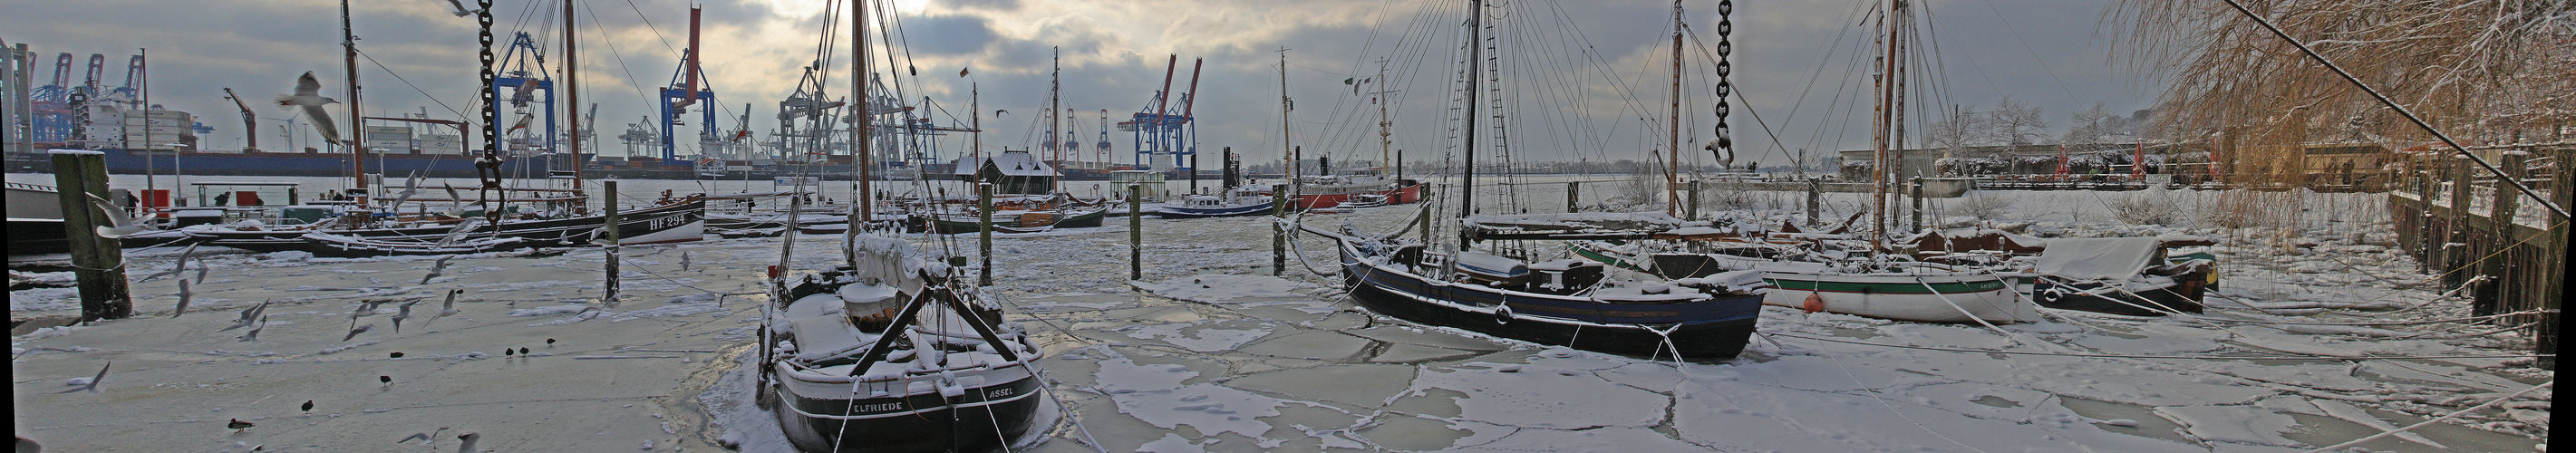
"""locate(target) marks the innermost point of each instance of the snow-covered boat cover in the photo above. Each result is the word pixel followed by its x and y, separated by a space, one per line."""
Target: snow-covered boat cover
pixel 1580 225
pixel 2112 259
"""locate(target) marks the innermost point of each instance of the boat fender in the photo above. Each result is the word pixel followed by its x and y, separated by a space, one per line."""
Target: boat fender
pixel 2052 295
pixel 1815 303
pixel 1502 314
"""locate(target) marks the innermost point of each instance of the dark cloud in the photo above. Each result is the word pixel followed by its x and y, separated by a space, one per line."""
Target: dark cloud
pixel 947 35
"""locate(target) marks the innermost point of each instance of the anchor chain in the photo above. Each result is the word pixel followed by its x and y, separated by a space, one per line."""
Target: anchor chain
pixel 488 167
pixel 1724 149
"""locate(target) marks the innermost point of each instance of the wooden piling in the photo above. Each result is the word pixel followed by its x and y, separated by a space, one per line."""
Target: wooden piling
pixel 609 196
pixel 1914 216
pixel 1573 195
pixel 984 230
pixel 1136 231
pixel 2524 264
pixel 98 263
pixel 1426 214
pixel 1279 232
pixel 1691 211
pixel 1815 198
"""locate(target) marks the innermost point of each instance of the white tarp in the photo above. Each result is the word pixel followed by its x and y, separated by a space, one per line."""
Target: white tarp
pixel 2096 258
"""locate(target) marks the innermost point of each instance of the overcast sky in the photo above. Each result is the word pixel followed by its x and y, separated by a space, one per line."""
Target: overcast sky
pixel 1583 80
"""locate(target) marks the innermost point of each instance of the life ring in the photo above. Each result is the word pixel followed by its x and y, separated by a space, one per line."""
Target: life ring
pixel 2052 295
pixel 1815 303
pixel 1502 314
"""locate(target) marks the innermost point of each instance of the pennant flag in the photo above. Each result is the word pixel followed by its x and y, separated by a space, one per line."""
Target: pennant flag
pixel 961 72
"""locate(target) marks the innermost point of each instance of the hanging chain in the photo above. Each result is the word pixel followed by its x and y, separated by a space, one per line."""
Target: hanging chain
pixel 1724 149
pixel 488 167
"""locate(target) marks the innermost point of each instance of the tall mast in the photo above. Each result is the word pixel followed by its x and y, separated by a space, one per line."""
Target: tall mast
pixel 1055 116
pixel 1384 142
pixel 1286 151
pixel 1475 54
pixel 1878 133
pixel 357 140
pixel 572 86
pixel 975 107
pixel 1673 146
pixel 865 211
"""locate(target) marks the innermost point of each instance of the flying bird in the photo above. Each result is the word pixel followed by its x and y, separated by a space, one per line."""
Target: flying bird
pixel 253 335
pixel 185 295
pixel 410 188
pixel 353 333
pixel 201 270
pixel 424 437
pixel 308 94
pixel 119 223
pixel 449 308
pixel 92 385
pixel 436 269
pixel 456 204
pixel 405 313
pixel 460 8
pixel 248 314
pixel 176 267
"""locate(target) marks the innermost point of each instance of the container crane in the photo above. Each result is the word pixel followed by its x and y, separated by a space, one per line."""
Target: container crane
pixel 685 90
pixel 1157 132
pixel 250 122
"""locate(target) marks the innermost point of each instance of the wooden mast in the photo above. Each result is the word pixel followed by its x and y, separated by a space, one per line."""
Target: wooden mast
pixel 357 139
pixel 1287 151
pixel 1878 132
pixel 1475 54
pixel 865 210
pixel 1673 144
pixel 572 88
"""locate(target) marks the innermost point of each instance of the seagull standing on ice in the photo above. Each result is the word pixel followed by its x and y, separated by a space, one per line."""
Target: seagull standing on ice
pixel 308 95
pixel 684 260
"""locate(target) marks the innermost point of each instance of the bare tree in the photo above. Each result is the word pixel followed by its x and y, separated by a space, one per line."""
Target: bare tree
pixel 2093 125
pixel 2479 69
pixel 2015 123
pixel 1963 128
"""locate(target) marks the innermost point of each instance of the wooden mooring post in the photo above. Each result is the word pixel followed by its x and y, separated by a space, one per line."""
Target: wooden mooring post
pixel 1573 195
pixel 98 263
pixel 1278 231
pixel 1691 211
pixel 1914 215
pixel 2524 264
pixel 1815 198
pixel 608 195
pixel 984 230
pixel 1136 230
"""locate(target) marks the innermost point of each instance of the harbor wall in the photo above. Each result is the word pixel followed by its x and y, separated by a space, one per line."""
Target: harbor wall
pixel 2460 222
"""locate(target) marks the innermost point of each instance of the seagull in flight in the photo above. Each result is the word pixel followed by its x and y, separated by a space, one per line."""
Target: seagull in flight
pixel 254 331
pixel 185 295
pixel 460 8
pixel 404 314
pixel 436 269
pixel 410 188
pixel 247 315
pixel 120 224
pixel 308 95
pixel 92 385
pixel 449 307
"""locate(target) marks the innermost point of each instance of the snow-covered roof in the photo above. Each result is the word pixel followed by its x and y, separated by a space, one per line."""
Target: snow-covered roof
pixel 1012 163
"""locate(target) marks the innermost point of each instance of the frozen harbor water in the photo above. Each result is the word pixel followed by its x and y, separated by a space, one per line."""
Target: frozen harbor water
pixel 1210 352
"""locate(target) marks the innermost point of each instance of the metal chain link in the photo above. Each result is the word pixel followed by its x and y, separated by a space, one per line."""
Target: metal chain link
pixel 1725 151
pixel 488 168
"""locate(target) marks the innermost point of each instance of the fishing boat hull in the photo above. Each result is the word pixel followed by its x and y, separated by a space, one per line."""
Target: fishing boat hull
pixel 1949 297
pixel 821 415
pixel 1401 192
pixel 1082 218
pixel 1715 328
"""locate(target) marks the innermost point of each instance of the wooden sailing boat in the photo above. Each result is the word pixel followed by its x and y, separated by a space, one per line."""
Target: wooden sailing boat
pixel 890 351
pixel 1878 285
pixel 1563 302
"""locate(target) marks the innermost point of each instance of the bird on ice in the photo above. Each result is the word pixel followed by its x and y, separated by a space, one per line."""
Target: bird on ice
pixel 469 439
pixel 684 260
pixel 308 95
pixel 239 424
pixel 119 223
pixel 436 269
pixel 92 384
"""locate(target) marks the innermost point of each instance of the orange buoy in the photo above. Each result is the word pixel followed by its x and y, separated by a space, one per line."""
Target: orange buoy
pixel 1815 303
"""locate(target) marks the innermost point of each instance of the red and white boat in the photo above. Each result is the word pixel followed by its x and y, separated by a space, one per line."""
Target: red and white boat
pixel 1333 190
